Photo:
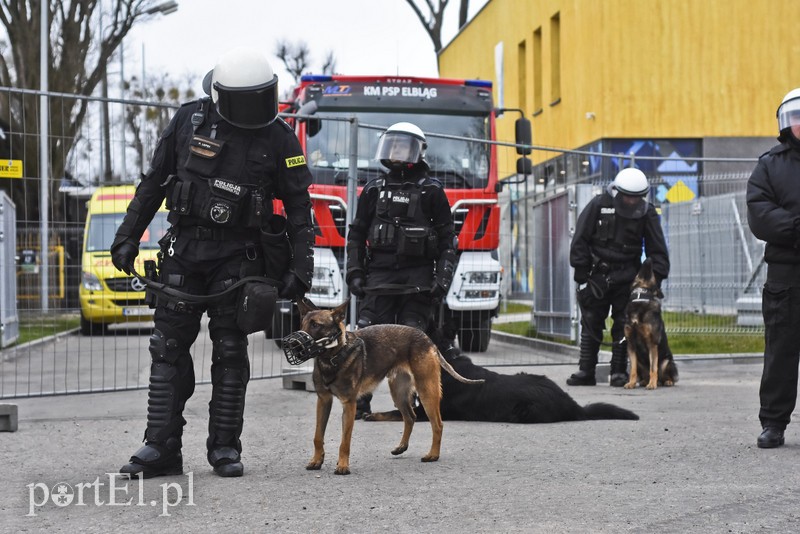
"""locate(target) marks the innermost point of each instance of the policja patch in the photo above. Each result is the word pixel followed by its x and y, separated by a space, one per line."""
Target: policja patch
pixel 295 161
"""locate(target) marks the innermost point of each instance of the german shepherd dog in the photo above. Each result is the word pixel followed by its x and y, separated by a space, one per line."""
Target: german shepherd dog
pixel 504 398
pixel 354 363
pixel 644 330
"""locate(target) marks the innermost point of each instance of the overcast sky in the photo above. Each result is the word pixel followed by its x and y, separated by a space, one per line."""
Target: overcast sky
pixel 366 36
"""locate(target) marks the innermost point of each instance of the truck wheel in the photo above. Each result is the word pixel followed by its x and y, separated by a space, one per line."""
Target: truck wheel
pixel 88 328
pixel 475 337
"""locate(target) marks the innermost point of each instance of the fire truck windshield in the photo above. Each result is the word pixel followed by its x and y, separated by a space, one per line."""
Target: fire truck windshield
pixel 457 163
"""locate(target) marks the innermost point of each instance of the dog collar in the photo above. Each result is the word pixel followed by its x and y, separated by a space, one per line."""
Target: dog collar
pixel 641 295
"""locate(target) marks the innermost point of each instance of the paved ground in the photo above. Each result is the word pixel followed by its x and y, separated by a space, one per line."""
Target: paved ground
pixel 689 465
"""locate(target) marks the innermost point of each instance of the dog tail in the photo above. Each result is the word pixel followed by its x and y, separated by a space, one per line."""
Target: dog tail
pixel 452 372
pixel 603 410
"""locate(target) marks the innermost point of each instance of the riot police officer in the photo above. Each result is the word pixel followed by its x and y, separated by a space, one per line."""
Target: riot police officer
pixel 773 213
pixel 218 164
pixel 402 242
pixel 606 254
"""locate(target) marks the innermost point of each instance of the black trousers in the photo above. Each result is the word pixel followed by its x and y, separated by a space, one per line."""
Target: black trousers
pixel 414 309
pixel 780 305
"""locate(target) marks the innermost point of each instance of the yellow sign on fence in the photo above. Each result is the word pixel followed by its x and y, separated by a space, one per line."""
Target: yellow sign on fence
pixel 11 168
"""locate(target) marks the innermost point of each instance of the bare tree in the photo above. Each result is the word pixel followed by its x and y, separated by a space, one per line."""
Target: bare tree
pixel 296 58
pixel 432 15
pixel 79 50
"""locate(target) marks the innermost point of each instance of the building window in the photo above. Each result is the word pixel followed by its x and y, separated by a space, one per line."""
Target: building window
pixel 522 75
pixel 537 71
pixel 555 59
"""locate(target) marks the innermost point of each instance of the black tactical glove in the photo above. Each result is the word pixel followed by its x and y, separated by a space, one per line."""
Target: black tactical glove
pixel 356 286
pixel 123 256
pixel 581 275
pixel 437 291
pixel 293 288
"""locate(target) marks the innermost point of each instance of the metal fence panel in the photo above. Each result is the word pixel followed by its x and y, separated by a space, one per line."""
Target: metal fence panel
pixel 9 318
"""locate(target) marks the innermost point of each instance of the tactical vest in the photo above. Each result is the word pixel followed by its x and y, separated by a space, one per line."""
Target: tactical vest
pixel 400 224
pixel 617 239
pixel 223 179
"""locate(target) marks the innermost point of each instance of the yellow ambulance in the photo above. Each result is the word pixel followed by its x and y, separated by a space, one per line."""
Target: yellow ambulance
pixel 107 295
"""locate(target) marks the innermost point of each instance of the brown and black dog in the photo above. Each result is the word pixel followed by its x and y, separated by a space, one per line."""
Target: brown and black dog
pixel 644 330
pixel 354 363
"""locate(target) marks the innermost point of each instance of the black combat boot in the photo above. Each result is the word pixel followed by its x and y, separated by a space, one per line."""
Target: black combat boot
pixel 619 365
pixel 230 372
pixel 586 363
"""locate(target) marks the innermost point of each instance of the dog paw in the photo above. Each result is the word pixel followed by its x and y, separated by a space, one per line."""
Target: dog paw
pixel 341 471
pixel 400 450
pixel 367 417
pixel 669 383
pixel 429 458
pixel 651 386
pixel 313 466
pixel 630 385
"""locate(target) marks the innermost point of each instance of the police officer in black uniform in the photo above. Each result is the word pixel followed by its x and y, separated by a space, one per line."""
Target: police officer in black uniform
pixel 606 253
pixel 402 242
pixel 218 164
pixel 773 212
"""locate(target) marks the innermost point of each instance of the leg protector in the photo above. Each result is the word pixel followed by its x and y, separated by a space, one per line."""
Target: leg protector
pixel 619 364
pixel 171 384
pixel 230 372
pixel 587 360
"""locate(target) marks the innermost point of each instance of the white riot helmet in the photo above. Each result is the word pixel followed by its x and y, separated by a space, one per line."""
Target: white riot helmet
pixel 402 144
pixel 631 181
pixel 244 88
pixel 633 185
pixel 789 111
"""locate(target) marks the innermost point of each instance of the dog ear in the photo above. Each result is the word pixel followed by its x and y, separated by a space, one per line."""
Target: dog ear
pixel 340 311
pixel 304 306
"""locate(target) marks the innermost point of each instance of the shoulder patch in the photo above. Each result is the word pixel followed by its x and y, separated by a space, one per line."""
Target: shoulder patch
pixel 295 161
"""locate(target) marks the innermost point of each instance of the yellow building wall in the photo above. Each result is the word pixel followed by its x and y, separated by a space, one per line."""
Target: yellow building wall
pixel 637 68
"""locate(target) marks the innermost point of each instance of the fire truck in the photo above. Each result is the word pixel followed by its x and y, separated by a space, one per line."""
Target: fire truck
pixel 339 119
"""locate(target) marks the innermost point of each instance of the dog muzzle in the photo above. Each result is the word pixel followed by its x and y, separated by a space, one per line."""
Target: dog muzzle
pixel 299 346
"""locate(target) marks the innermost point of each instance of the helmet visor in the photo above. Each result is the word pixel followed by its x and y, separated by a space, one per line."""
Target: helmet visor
pixel 399 147
pixel 630 206
pixel 248 107
pixel 789 114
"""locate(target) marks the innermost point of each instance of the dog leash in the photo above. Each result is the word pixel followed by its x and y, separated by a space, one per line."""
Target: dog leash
pixel 164 289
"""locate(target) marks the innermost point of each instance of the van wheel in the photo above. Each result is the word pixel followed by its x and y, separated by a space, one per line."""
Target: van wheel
pixel 475 337
pixel 88 328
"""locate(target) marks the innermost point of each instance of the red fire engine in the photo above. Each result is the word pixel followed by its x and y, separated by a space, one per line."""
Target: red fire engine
pixel 458 118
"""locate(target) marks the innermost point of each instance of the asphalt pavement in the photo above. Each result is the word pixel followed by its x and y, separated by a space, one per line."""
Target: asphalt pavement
pixel 690 464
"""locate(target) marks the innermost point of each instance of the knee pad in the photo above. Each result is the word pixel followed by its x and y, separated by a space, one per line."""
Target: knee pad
pixel 413 320
pixel 230 351
pixel 163 349
pixel 364 321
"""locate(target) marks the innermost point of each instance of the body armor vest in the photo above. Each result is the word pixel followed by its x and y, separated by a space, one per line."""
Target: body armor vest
pixel 223 179
pixel 617 239
pixel 400 224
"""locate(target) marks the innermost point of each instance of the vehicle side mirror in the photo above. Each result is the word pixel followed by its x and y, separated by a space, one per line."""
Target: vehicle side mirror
pixel 524 166
pixel 522 135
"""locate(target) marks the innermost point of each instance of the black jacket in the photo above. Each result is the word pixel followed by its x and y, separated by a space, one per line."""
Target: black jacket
pixel 622 248
pixel 269 156
pixel 773 204
pixel 435 210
